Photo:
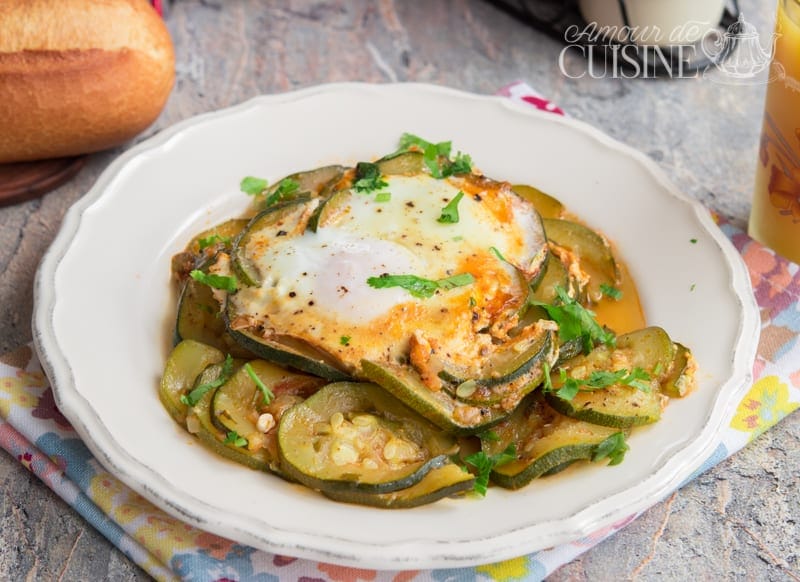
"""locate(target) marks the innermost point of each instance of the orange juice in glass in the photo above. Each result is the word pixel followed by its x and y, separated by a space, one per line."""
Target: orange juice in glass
pixel 775 217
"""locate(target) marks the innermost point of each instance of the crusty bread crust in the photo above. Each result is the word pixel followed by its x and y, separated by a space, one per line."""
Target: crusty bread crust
pixel 68 85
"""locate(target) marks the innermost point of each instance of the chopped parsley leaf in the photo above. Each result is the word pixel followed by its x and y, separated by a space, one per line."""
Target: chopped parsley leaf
pixel 575 321
pixel 368 178
pixel 228 284
pixel 600 379
pixel 285 187
pixel 265 391
pixel 419 286
pixel 692 286
pixel 208 241
pixel 498 254
pixel 383 196
pixel 233 438
pixel 548 383
pixel 484 464
pixel 462 164
pixel 252 185
pixel 345 340
pixel 610 291
pixel 436 156
pixel 198 392
pixel 450 212
pixel 613 449
pixel 693 241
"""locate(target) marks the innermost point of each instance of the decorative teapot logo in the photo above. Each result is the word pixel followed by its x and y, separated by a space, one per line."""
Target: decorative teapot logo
pixel 748 59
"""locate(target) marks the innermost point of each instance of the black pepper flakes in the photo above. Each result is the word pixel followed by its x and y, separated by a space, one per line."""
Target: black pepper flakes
pixel 281 233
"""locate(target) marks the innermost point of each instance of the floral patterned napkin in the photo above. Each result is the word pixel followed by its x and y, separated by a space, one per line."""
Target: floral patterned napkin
pixel 38 436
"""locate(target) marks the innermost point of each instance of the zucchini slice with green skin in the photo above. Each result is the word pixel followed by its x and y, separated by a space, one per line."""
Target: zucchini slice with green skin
pixel 198 422
pixel 216 239
pixel 594 253
pixel 185 363
pixel 545 441
pixel 618 405
pixel 329 209
pixel 237 405
pixel 442 409
pixel 310 183
pixel 199 318
pixel 513 373
pixel 545 205
pixel 355 436
pixel 439 483
pixel 290 352
pixel 403 163
pixel 284 217
pixel 680 378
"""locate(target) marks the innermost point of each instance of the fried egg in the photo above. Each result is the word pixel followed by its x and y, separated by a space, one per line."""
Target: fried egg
pixel 316 277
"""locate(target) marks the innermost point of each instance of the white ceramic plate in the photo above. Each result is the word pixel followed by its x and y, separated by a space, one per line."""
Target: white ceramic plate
pixel 104 305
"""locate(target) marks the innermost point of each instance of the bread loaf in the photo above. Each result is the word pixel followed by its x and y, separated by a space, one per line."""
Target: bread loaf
pixel 78 76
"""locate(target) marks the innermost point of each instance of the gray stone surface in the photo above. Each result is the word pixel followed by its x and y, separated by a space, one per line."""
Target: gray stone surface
pixel 738 521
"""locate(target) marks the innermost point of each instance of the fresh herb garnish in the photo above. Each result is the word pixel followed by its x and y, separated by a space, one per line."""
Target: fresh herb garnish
pixel 252 185
pixel 575 321
pixel 368 178
pixel 383 196
pixel 498 254
pixel 692 286
pixel 613 449
pixel 233 438
pixel 265 391
pixel 223 282
pixel 285 187
pixel 693 241
pixel 436 156
pixel 462 164
pixel 208 241
pixel 610 291
pixel 450 212
pixel 419 286
pixel 484 464
pixel 599 379
pixel 345 340
pixel 548 383
pixel 197 393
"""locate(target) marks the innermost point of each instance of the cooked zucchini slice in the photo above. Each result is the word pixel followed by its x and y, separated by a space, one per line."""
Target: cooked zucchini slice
pixel 277 220
pixel 545 205
pixel 592 251
pixel 289 351
pixel 200 318
pixel 185 363
pixel 545 441
pixel 310 183
pixel 405 163
pixel 198 421
pixel 441 482
pixel 513 373
pixel 618 405
pixel 239 403
pixel 442 409
pixel 351 436
pixel 680 379
pixel 215 239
